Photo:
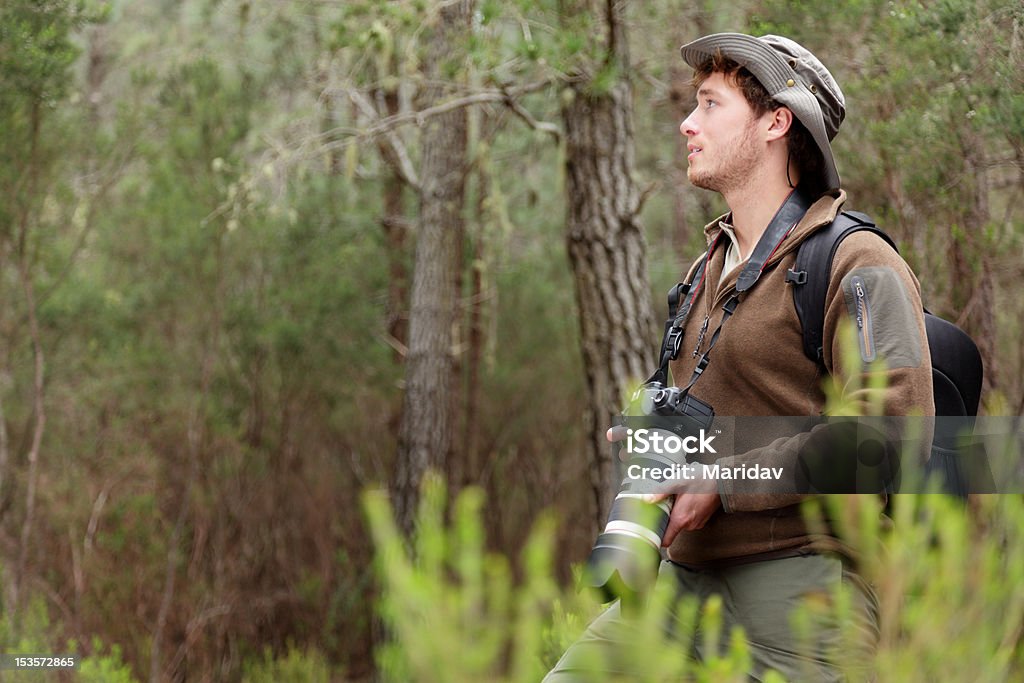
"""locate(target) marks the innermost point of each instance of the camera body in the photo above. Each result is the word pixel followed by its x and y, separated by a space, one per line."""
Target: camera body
pixel 657 406
pixel 625 558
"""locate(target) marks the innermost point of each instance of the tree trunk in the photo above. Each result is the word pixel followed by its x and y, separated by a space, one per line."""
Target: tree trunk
pixel 471 469
pixel 395 228
pixel 608 256
pixel 427 416
pixel 681 99
pixel 974 266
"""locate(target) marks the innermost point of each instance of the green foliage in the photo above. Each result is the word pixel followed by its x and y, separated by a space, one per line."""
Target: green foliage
pixel 295 667
pixel 33 629
pixel 35 636
pixel 949 582
pixel 446 594
pixel 36 49
pixel 478 614
pixel 607 77
pixel 100 668
pixel 36 53
pixel 951 598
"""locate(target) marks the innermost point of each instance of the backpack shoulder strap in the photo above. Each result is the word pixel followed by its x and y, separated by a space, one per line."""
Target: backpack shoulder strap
pixel 812 271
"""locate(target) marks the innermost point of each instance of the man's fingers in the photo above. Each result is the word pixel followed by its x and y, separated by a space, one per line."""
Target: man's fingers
pixel 675 525
pixel 689 513
pixel 616 433
pixel 676 522
pixel 654 497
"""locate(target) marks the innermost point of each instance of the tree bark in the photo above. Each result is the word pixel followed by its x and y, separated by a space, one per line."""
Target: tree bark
pixel 39 365
pixel 607 252
pixel 972 263
pixel 475 337
pixel 681 99
pixel 395 228
pixel 427 415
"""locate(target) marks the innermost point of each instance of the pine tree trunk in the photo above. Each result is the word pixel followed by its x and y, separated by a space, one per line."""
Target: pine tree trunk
pixel 608 256
pixel 395 228
pixel 427 415
pixel 471 469
pixel 974 267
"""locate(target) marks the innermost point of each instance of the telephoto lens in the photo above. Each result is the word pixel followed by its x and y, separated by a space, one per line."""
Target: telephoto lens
pixel 625 558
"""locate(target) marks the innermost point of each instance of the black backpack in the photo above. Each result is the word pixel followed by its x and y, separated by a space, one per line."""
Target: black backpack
pixel 956 362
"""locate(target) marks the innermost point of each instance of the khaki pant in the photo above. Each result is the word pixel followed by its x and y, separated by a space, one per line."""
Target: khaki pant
pixel 760 597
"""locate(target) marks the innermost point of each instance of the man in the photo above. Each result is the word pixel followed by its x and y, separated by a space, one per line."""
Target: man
pixel 766 112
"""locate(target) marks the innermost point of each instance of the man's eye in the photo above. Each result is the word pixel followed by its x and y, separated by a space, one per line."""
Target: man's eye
pixel 709 103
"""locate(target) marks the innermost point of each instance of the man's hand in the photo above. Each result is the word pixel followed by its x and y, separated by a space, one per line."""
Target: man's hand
pixel 692 509
pixel 696 499
pixel 616 433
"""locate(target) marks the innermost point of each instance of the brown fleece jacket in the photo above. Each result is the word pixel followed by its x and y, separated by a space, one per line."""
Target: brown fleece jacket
pixel 758 368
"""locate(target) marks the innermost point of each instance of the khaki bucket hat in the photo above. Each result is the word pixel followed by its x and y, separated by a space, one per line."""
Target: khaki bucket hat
pixel 793 77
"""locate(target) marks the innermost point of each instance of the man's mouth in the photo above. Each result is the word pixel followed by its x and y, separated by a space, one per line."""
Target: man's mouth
pixel 693 151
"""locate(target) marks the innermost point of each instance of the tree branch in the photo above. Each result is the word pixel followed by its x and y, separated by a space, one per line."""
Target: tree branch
pixel 645 194
pixel 39 414
pixel 400 158
pixel 419 118
pixel 93 204
pixel 543 126
pixel 4 453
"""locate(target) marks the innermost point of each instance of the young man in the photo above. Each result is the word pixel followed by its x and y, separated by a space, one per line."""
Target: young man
pixel 766 112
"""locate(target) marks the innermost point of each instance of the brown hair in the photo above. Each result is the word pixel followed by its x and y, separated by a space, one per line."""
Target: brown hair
pixel 802 146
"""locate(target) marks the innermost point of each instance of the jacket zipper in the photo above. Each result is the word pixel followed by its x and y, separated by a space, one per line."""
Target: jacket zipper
pixel 865 327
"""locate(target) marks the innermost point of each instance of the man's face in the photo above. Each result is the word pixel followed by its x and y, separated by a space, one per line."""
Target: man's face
pixel 721 137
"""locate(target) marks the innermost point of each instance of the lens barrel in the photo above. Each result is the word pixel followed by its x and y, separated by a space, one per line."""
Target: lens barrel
pixel 625 557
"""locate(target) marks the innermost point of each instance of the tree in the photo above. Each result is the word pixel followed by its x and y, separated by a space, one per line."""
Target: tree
pixel 427 416
pixel 607 250
pixel 36 54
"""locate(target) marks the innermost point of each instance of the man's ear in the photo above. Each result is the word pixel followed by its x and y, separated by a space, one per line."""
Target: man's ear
pixel 779 123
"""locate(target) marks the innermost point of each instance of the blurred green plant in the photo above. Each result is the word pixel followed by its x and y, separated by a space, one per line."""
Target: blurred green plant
pixel 454 612
pixel 950 580
pixel 35 637
pixel 108 668
pixel 296 666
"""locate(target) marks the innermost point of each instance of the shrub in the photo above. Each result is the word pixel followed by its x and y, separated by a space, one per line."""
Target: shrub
pixel 950 580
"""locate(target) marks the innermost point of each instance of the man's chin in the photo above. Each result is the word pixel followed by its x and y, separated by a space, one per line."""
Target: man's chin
pixel 703 181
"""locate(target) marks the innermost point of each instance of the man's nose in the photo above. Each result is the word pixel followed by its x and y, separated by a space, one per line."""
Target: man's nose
pixel 687 127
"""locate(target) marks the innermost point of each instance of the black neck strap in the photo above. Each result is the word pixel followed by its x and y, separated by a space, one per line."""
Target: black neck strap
pixel 782 223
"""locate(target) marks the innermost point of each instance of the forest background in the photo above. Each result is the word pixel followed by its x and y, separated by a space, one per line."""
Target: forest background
pixel 260 256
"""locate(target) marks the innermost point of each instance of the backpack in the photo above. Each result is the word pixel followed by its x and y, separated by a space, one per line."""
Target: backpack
pixel 957 369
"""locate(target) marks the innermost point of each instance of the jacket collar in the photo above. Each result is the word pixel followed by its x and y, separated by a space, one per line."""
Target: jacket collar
pixel 821 213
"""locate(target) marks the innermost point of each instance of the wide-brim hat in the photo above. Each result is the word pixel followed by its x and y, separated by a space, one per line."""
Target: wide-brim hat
pixel 792 76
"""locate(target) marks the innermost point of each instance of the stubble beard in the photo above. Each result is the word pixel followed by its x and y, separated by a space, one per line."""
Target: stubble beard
pixel 737 162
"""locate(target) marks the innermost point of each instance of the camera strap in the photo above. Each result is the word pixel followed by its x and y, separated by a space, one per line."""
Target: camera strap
pixel 680 300
pixel 781 225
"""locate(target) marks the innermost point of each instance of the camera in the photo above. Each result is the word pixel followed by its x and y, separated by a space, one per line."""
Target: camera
pixel 625 558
